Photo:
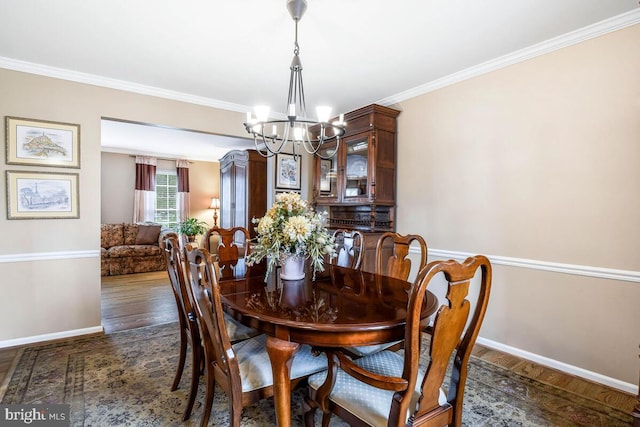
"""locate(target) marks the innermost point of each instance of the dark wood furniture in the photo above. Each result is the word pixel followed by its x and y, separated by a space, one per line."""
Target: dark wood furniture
pixel 343 307
pixel 239 369
pixel 226 252
pixel 243 189
pixel 189 330
pixel 349 248
pixel 398 392
pixel 397 264
pixel 357 188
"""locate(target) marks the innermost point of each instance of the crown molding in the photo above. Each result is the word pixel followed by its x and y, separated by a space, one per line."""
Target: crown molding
pixel 591 31
pixel 600 28
pixel 76 76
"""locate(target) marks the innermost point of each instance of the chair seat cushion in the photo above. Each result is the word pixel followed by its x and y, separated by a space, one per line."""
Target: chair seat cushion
pixel 255 366
pixel 236 330
pixel 365 350
pixel 369 403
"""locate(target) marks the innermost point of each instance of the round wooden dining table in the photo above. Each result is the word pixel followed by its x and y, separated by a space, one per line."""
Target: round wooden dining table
pixel 342 307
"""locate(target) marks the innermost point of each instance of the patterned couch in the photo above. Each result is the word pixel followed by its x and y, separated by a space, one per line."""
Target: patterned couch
pixel 130 248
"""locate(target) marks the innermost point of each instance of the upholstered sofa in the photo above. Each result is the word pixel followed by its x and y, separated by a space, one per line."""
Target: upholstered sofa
pixel 130 248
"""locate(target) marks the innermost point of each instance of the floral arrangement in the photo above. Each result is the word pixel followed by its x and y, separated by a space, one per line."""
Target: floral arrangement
pixel 291 227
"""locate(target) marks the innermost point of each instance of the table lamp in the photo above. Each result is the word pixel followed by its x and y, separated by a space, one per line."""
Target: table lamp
pixel 215 205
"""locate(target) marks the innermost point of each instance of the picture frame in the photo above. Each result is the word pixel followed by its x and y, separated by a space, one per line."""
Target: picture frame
pixel 325 169
pixel 42 195
pixel 288 171
pixel 42 143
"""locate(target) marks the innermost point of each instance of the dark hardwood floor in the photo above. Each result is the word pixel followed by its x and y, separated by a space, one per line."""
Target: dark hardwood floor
pixel 137 300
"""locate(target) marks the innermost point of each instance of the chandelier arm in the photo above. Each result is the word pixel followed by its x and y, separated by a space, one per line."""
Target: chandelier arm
pixel 331 156
pixel 273 141
pixel 267 154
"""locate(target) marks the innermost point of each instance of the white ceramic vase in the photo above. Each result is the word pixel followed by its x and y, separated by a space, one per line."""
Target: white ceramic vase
pixel 292 267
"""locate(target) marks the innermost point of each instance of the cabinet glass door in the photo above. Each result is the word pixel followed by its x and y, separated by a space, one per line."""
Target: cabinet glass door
pixel 328 175
pixel 356 168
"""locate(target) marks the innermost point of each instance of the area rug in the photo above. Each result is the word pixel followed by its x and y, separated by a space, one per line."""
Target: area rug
pixel 124 379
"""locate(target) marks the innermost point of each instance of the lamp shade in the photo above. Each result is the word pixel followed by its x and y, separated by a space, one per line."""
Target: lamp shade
pixel 215 203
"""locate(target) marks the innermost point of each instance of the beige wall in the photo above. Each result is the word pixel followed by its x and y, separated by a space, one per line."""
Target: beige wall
pixel 539 161
pixel 50 269
pixel 118 181
pixel 536 161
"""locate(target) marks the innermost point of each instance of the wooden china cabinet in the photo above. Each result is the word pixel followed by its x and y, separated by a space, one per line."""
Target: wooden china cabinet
pixel 243 189
pixel 357 187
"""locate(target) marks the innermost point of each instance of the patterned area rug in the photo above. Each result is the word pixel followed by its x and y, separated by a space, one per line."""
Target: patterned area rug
pixel 124 379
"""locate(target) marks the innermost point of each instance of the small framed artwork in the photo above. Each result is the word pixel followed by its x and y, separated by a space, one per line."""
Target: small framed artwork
pixel 40 195
pixel 325 170
pixel 288 171
pixel 42 143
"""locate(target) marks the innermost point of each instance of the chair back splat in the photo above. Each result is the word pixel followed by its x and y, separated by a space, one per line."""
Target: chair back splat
pixel 398 264
pixel 399 390
pixel 349 248
pixel 230 249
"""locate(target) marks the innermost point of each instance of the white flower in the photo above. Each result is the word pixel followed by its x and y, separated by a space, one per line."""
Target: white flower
pixel 265 225
pixel 290 226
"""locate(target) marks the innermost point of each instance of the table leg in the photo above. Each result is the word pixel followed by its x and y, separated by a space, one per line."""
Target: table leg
pixel 281 355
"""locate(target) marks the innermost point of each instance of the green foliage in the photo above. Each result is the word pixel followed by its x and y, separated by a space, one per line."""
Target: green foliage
pixel 192 227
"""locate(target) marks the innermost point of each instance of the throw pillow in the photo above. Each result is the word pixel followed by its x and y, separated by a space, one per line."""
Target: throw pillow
pixel 148 234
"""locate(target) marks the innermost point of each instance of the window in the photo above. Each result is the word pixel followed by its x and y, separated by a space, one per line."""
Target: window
pixel 166 199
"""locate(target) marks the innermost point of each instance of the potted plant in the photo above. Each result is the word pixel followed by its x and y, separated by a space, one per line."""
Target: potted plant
pixel 191 227
pixel 288 233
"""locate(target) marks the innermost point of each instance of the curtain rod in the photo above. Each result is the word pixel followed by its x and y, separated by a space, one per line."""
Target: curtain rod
pixel 159 158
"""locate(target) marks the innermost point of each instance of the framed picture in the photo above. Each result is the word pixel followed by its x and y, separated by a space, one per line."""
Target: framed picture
pixel 288 171
pixel 325 170
pixel 39 195
pixel 42 143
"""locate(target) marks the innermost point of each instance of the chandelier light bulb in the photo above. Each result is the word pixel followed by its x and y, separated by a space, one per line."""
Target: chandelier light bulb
pixel 323 113
pixel 262 112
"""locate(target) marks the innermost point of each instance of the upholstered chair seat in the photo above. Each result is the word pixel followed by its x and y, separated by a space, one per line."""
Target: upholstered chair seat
pixel 255 366
pixel 236 330
pixel 371 404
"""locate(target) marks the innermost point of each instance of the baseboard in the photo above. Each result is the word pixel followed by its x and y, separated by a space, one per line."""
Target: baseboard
pixel 50 337
pixel 561 366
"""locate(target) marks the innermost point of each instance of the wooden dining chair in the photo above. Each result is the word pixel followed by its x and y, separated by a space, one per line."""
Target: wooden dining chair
pixel 395 389
pixel 397 264
pixel 189 330
pixel 349 248
pixel 242 370
pixel 228 254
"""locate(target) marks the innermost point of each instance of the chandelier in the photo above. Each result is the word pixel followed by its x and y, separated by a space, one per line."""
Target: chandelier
pixel 272 136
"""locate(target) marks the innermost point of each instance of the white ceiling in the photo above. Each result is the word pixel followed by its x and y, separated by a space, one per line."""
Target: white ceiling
pixel 235 54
